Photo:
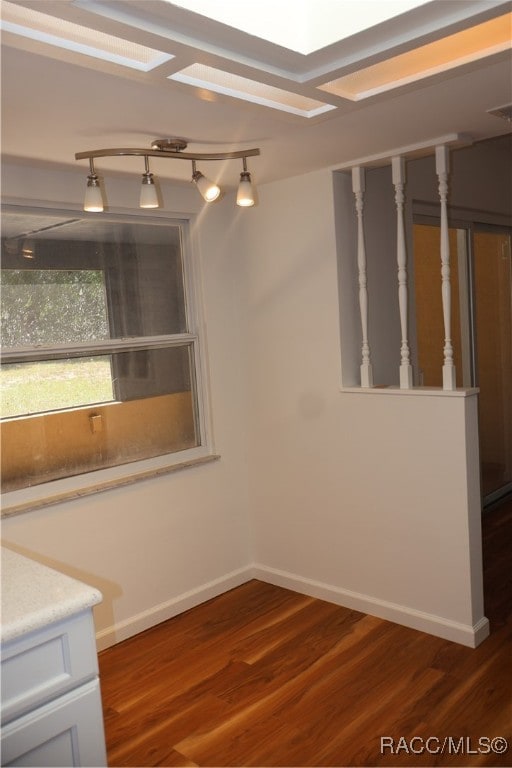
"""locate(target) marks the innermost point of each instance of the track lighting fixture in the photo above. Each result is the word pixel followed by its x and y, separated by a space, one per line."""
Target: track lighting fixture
pixel 245 194
pixel 148 196
pixel 93 197
pixel 168 148
pixel 20 246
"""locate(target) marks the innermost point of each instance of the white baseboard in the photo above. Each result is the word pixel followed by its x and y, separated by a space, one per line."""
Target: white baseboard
pixel 156 614
pixel 465 634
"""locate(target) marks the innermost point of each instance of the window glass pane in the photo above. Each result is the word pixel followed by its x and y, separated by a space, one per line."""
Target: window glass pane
pixel 51 385
pixel 52 306
pixel 137 265
pixel 150 372
pixel 145 286
pixel 154 412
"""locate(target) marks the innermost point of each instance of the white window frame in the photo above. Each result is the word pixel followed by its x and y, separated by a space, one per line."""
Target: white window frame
pixel 55 491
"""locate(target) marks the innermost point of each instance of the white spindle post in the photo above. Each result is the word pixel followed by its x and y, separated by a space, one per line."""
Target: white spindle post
pixel 398 174
pixel 442 168
pixel 358 189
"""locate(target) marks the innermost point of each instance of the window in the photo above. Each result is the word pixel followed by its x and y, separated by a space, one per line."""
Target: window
pixel 100 358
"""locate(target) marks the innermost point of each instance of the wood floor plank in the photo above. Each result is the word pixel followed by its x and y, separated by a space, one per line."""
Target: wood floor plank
pixel 166 727
pixel 265 676
pixel 263 639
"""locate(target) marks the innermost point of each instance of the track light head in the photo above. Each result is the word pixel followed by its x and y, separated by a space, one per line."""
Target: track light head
pixel 245 194
pixel 208 189
pixel 93 198
pixel 148 195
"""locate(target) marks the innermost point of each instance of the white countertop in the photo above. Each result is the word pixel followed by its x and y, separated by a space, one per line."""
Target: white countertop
pixel 34 595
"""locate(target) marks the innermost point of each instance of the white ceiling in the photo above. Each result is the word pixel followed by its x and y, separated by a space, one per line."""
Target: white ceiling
pixel 57 101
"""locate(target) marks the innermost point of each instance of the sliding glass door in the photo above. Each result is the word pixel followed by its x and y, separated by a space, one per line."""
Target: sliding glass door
pixel 493 352
pixel 481 282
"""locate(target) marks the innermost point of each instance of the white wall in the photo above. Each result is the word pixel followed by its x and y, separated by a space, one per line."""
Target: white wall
pixel 157 546
pixel 362 498
pixel 480 187
pixel 344 495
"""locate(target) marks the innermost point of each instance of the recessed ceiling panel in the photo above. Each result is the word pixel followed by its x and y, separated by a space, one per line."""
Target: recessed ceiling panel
pixel 229 84
pixel 65 34
pixel 461 48
pixel 303 26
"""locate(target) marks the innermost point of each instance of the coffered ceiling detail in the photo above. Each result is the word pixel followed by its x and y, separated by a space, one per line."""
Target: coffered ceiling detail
pixel 336 74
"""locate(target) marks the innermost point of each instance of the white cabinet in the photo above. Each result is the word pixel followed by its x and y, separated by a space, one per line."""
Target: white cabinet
pixel 51 704
pixel 66 732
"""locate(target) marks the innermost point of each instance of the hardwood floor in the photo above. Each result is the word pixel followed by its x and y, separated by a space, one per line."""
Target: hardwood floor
pixel 264 676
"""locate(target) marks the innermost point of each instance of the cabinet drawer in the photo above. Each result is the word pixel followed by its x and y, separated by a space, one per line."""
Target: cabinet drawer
pixel 66 732
pixel 45 663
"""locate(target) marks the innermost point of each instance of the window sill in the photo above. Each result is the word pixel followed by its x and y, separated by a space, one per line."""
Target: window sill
pixel 67 489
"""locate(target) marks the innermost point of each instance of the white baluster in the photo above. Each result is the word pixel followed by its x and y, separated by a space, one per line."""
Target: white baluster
pixel 442 168
pixel 358 187
pixel 398 174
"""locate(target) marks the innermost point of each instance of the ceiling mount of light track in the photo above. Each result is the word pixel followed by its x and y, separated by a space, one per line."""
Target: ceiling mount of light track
pixel 170 148
pixel 169 145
